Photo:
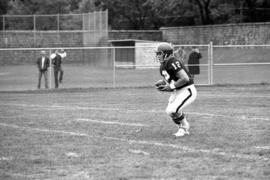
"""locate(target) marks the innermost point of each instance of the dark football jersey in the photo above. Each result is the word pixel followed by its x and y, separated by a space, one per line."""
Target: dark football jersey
pixel 169 69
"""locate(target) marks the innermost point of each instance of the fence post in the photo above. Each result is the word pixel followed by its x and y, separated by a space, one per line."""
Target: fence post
pixel 114 74
pixel 4 23
pixel 58 23
pixel 106 21
pixel 211 63
pixel 50 75
pixel 34 26
pixel 58 28
pixel 83 21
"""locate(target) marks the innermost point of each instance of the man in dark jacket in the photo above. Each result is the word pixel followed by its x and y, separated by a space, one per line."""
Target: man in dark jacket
pixel 56 61
pixel 43 63
pixel 194 62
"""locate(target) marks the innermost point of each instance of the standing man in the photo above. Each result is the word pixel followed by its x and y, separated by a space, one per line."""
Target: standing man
pixel 63 54
pixel 56 61
pixel 176 79
pixel 43 63
pixel 194 62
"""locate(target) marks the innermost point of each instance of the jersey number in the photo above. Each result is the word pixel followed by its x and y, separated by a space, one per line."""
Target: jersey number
pixel 166 75
pixel 176 65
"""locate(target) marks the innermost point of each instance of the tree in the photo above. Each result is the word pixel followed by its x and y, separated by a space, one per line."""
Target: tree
pixel 170 13
pixel 4 6
pixel 135 14
pixel 256 10
pixel 130 14
pixel 205 12
pixel 85 6
pixel 33 7
pixel 146 14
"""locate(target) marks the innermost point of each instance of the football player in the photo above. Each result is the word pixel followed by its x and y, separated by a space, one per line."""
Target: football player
pixel 177 80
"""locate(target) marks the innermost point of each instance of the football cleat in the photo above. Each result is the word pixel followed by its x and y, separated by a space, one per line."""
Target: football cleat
pixel 181 132
pixel 184 124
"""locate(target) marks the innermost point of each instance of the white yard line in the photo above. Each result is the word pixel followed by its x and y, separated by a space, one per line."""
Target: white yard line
pixel 19 175
pixel 111 122
pixel 140 142
pixel 79 175
pixel 235 95
pixel 262 147
pixel 4 73
pixel 56 107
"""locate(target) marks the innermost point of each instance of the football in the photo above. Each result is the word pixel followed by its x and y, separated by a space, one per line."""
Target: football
pixel 160 82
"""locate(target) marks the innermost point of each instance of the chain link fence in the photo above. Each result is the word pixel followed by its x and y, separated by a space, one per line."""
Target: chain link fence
pixel 54 30
pixel 134 66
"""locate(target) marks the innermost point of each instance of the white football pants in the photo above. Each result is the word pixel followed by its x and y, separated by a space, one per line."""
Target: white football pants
pixel 181 98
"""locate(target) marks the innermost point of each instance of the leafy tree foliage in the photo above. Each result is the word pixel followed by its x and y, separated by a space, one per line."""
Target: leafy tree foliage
pixel 147 14
pixel 30 7
pixel 256 10
pixel 4 6
pixel 137 14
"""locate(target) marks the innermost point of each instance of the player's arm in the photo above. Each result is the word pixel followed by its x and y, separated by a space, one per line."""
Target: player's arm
pixel 181 75
pixel 183 79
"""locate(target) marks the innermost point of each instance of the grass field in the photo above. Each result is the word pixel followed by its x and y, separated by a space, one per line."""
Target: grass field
pixel 124 133
pixel 24 77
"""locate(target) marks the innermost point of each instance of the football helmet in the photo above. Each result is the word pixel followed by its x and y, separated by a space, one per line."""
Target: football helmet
pixel 163 51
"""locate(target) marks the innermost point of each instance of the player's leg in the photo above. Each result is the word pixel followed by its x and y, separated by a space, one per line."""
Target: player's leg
pixel 183 126
pixel 177 102
pixel 177 116
pixel 185 123
pixel 184 97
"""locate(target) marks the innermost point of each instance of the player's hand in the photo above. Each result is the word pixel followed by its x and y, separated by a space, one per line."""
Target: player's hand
pixel 160 82
pixel 165 88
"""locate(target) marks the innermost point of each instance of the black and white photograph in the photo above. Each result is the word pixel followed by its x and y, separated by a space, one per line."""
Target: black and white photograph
pixel 134 90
